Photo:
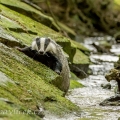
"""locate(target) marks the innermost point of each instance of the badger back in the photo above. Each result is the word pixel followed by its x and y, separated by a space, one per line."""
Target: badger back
pixel 65 73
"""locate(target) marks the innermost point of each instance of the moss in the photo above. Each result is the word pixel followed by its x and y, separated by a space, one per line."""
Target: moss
pixel 33 84
pixel 80 60
pixel 11 113
pixel 75 84
pixel 117 2
pixel 31 80
pixel 79 46
pixel 74 77
pixel 15 20
pixel 20 21
pixel 36 15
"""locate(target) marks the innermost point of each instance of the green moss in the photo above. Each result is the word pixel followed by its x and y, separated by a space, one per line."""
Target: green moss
pixel 20 21
pixel 13 113
pixel 75 84
pixel 80 60
pixel 79 46
pixel 31 80
pixel 74 77
pixel 36 15
pixel 117 2
pixel 15 20
pixel 33 84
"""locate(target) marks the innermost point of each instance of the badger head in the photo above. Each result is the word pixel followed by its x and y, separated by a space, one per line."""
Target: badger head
pixel 43 45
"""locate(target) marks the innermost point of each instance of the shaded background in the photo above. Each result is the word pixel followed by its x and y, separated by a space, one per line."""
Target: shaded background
pixel 83 17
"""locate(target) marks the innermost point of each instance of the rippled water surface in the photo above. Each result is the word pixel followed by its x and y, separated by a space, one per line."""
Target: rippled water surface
pixel 89 97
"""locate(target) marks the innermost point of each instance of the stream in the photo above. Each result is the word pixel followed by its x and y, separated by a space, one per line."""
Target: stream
pixel 89 97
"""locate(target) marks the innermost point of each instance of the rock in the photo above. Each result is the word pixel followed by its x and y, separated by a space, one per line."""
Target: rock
pixel 33 78
pixel 76 69
pixel 37 15
pixel 114 74
pixel 106 86
pixel 6 100
pixel 112 101
pixel 34 85
pixel 101 48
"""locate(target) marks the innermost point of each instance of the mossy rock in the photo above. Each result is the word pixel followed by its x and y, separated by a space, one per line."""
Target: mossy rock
pixel 73 76
pixel 36 15
pixel 16 25
pixel 80 60
pixel 75 84
pixel 31 80
pixel 29 85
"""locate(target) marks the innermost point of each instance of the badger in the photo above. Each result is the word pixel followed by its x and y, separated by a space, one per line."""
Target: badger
pixel 46 48
pixel 44 45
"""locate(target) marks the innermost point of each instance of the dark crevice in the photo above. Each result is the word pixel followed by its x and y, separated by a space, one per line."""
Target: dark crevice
pixel 11 43
pixel 20 30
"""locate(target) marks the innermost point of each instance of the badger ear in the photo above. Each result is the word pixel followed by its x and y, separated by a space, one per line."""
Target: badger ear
pixel 36 38
pixel 49 38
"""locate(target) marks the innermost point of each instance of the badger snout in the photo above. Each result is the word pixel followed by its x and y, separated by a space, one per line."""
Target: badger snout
pixel 41 52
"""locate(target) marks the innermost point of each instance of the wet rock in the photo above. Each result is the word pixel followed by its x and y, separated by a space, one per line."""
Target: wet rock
pixel 117 37
pixel 112 101
pixel 76 69
pixel 106 86
pixel 40 111
pixel 101 48
pixel 114 74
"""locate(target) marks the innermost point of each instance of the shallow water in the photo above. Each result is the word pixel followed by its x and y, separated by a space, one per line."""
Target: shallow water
pixel 89 97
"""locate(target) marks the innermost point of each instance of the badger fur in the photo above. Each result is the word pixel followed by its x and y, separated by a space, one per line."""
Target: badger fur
pixel 44 45
pixel 48 59
pixel 48 52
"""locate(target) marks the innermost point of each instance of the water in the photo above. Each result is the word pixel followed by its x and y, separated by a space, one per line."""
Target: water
pixel 89 97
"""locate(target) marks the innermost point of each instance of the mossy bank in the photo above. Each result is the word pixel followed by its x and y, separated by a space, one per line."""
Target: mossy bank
pixel 25 85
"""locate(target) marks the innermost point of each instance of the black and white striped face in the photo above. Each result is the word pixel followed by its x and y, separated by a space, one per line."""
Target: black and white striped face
pixel 43 45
